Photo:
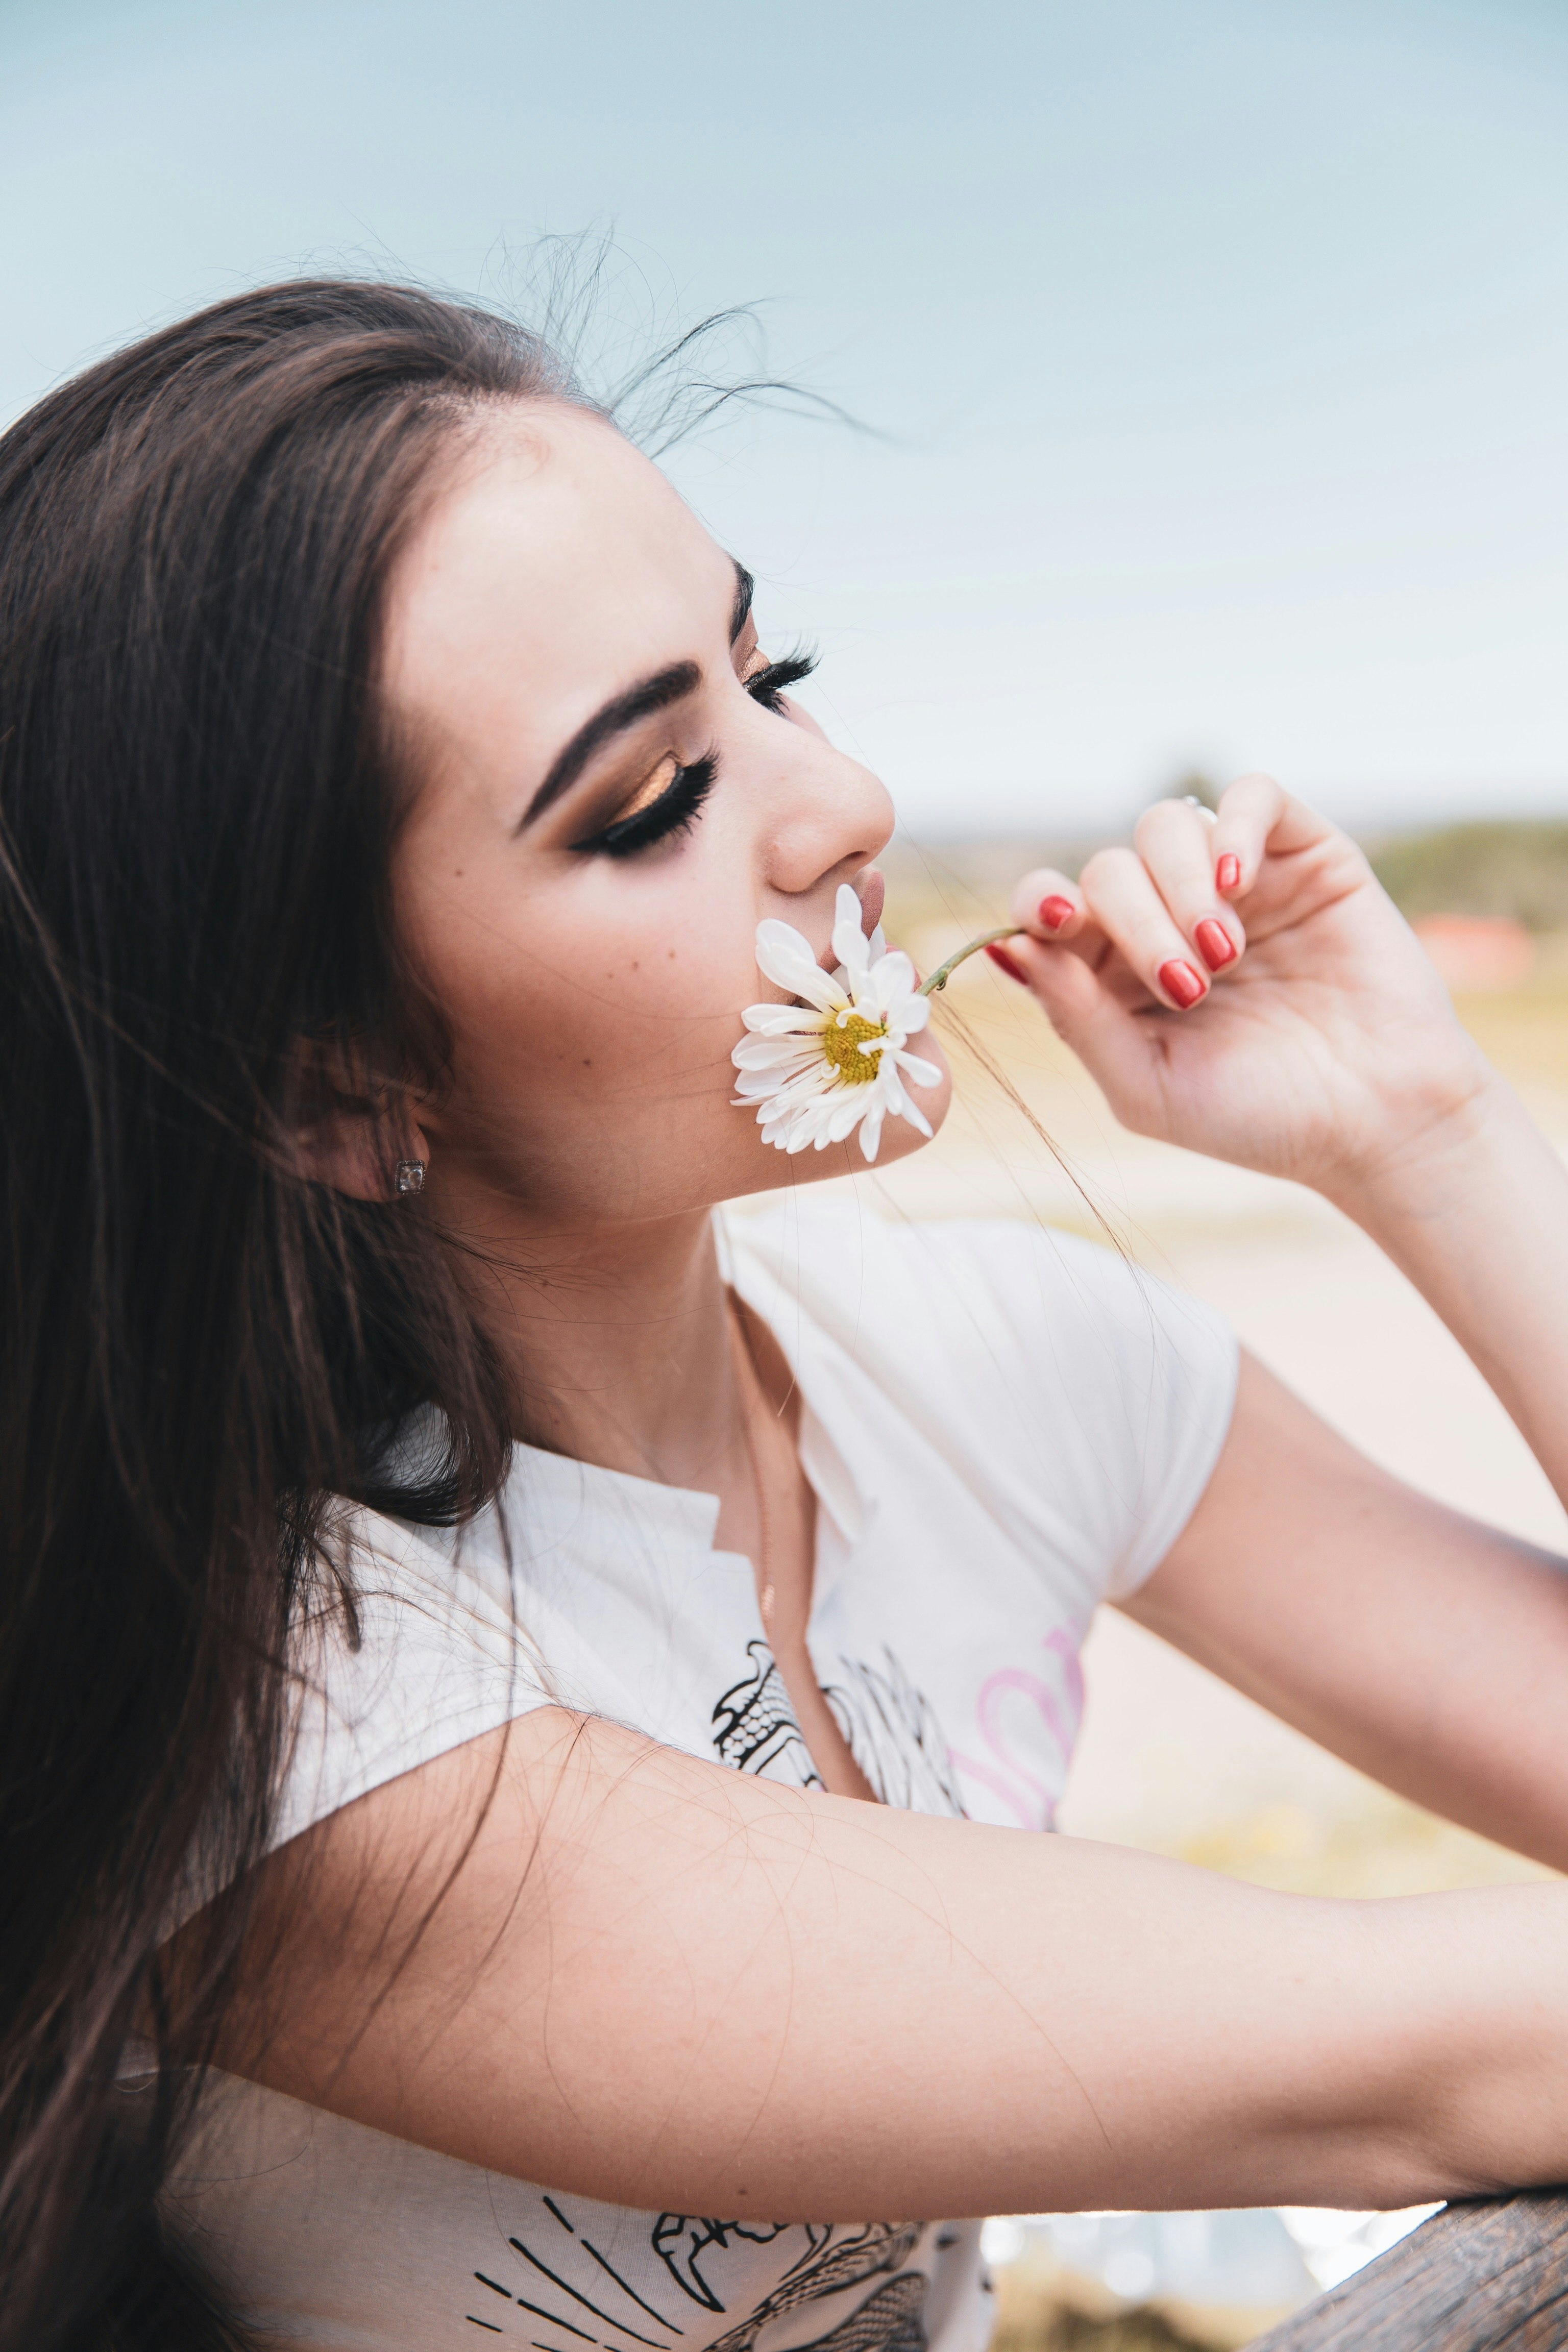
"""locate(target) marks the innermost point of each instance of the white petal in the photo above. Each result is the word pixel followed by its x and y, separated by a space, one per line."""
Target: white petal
pixel 768 1081
pixel 783 1095
pixel 897 1100
pixel 924 1074
pixel 780 944
pixel 785 1020
pixel 871 1134
pixel 893 978
pixel 816 1122
pixel 787 961
pixel 766 1086
pixel 814 1077
pixel 796 1091
pixel 850 944
pixel 844 1116
pixel 774 1052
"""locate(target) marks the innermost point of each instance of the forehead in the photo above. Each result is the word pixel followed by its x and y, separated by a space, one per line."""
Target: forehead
pixel 554 566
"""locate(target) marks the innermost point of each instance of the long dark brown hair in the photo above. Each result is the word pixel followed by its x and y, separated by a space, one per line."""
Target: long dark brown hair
pixel 197 1343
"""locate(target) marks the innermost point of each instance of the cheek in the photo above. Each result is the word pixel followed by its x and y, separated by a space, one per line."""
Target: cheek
pixel 556 1012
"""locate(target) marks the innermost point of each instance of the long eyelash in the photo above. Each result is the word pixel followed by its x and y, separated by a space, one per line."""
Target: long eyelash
pixel 767 686
pixel 674 810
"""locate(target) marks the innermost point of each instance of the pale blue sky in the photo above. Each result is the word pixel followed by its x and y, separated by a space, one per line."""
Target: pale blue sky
pixel 1222 344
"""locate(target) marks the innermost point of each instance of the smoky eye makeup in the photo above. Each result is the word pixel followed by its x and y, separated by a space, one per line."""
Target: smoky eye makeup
pixel 665 802
pixel 653 787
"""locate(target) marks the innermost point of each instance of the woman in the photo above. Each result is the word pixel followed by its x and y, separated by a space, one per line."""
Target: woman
pixel 461 1606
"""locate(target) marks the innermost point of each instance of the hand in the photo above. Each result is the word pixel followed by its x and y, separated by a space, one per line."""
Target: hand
pixel 1243 986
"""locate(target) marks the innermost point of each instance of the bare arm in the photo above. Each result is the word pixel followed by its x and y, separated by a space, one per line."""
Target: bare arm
pixel 652 1980
pixel 1428 1650
pixel 1474 1208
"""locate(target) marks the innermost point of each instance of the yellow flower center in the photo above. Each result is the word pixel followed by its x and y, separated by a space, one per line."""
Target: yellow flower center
pixel 841 1045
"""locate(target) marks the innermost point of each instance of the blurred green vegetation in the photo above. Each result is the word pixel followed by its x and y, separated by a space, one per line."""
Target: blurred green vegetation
pixel 1514 867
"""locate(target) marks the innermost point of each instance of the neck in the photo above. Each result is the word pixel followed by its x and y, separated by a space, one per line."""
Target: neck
pixel 619 1343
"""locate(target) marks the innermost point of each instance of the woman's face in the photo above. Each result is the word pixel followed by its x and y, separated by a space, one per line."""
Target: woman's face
pixel 605 815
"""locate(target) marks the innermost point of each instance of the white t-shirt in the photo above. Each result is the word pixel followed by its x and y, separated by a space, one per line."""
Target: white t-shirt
pixel 1003 1427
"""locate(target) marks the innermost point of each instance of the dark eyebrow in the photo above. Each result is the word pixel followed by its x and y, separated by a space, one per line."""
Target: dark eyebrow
pixel 639 702
pixel 744 586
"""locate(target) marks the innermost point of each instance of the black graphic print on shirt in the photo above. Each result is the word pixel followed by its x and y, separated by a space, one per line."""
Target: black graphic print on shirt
pixel 826 2268
pixel 891 2320
pixel 894 1736
pixel 754 1727
pixel 565 2292
pixel 681 2241
pixel 891 1728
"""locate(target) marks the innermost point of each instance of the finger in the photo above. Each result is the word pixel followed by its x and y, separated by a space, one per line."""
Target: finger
pixel 1121 895
pixel 1250 810
pixel 1086 1013
pixel 1173 839
pixel 1047 904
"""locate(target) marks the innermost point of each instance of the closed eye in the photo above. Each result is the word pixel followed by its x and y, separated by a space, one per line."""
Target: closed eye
pixel 667 803
pixel 768 684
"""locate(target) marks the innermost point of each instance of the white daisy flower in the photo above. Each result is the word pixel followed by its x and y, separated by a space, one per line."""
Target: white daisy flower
pixel 835 1061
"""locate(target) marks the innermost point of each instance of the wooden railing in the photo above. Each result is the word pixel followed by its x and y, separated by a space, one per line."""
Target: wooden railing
pixel 1485 2277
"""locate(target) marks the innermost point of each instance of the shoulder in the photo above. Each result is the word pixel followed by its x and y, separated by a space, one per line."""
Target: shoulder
pixel 398 1653
pixel 1052 1374
pixel 962 1283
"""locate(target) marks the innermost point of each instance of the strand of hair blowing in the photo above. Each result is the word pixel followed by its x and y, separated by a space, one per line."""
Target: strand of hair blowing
pixel 196 1345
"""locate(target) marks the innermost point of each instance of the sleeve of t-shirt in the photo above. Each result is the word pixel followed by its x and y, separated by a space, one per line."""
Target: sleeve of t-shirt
pixel 1084 1402
pixel 426 1660
pixel 1121 1388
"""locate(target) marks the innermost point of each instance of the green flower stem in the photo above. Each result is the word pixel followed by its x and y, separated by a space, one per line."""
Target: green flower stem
pixel 939 977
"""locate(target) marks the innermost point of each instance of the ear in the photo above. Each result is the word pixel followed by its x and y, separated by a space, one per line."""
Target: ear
pixel 349 1132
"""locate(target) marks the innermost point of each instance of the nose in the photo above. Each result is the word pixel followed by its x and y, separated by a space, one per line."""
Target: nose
pixel 831 816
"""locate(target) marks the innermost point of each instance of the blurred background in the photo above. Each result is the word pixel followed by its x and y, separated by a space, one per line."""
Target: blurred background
pixel 1206 364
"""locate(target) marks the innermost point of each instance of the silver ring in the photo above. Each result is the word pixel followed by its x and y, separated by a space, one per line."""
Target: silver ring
pixel 1191 800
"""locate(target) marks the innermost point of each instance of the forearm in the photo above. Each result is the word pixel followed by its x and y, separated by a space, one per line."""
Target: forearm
pixel 1480 2095
pixel 673 1986
pixel 1476 1214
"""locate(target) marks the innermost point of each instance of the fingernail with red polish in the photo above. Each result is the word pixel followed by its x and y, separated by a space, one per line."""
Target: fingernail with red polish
pixel 1180 981
pixel 1009 964
pixel 1228 873
pixel 1056 911
pixel 1214 944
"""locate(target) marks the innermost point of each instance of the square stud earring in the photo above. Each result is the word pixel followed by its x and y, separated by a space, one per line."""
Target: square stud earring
pixel 411 1175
